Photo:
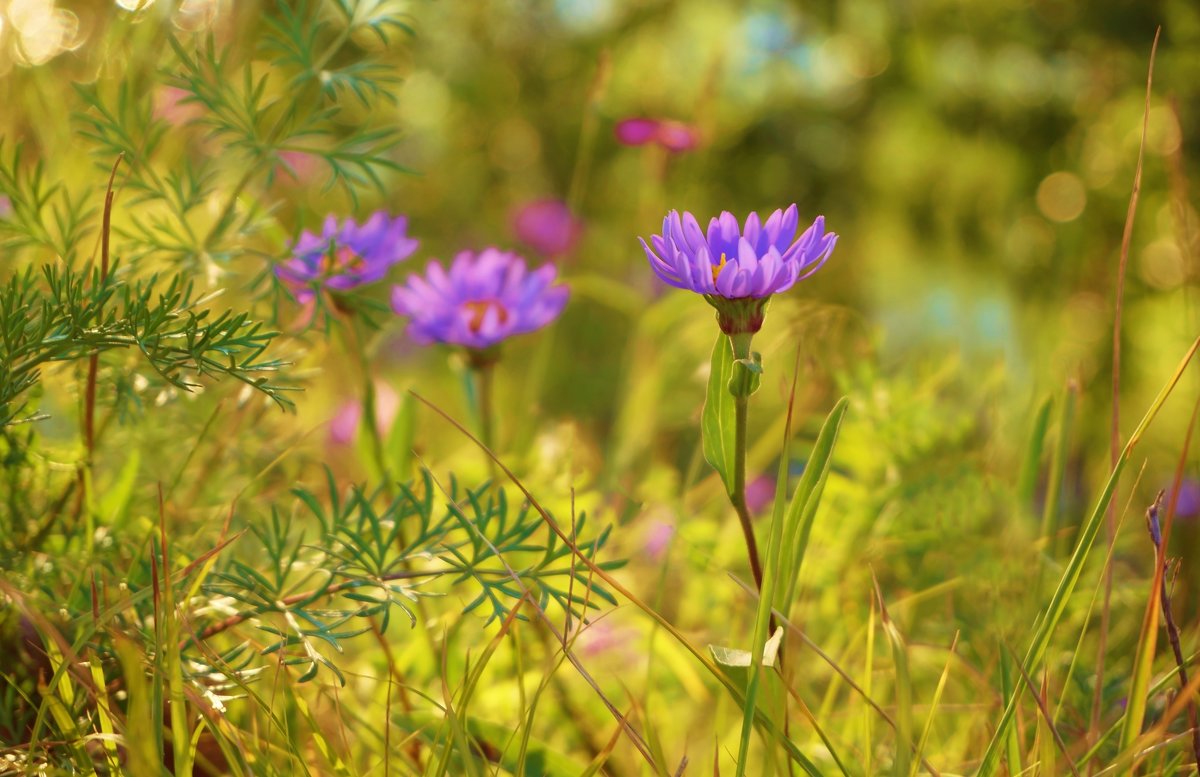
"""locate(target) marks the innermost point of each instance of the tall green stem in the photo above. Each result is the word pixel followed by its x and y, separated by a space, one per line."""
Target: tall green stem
pixel 483 370
pixel 741 350
pixel 370 418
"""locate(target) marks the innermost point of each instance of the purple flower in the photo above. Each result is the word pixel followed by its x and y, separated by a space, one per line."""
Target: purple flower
pixel 733 262
pixel 1187 503
pixel 484 298
pixel 547 226
pixel 346 255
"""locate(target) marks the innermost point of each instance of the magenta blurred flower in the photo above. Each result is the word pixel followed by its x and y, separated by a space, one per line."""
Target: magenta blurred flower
pixel 671 135
pixel 760 494
pixel 547 226
pixel 343 427
pixel 346 255
pixel 5 206
pixel 636 132
pixel 483 299
pixel 658 539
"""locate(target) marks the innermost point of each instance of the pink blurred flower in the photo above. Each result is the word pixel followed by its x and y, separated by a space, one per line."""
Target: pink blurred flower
pixel 169 105
pixel 658 539
pixel 298 165
pixel 636 132
pixel 760 494
pixel 604 637
pixel 547 226
pixel 675 136
pixel 343 427
pixel 5 206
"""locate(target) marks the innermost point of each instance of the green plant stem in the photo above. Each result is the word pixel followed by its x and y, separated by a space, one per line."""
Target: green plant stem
pixel 370 421
pixel 741 350
pixel 483 373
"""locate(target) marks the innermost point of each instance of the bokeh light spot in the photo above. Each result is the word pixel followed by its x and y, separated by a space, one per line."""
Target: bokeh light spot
pixel 1061 197
pixel 1161 265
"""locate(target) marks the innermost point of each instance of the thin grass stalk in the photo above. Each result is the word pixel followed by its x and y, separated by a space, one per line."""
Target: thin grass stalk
pixel 1115 428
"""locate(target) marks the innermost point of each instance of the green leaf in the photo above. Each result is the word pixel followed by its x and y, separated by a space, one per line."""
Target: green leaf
pixel 736 662
pixel 803 507
pixel 400 437
pixel 717 418
pixel 116 497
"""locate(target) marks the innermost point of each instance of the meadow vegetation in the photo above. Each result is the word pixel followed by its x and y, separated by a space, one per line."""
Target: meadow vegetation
pixel 346 427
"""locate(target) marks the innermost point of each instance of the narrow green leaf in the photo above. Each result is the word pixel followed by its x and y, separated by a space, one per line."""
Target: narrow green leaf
pixel 717 418
pixel 1027 481
pixel 803 507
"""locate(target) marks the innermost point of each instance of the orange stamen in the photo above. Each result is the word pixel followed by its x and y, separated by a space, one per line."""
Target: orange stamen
pixel 716 270
pixel 479 308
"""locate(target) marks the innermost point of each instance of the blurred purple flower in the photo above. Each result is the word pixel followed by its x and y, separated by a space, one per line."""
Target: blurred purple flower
pixel 5 206
pixel 760 494
pixel 733 262
pixel 658 539
pixel 672 135
pixel 343 427
pixel 1187 504
pixel 346 255
pixel 483 299
pixel 547 226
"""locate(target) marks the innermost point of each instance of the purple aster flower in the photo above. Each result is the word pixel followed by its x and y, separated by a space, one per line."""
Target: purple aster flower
pixel 548 226
pixel 346 255
pixel 484 298
pixel 737 268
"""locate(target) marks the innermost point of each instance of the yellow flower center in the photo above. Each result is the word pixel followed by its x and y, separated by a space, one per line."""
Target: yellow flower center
pixel 342 258
pixel 718 267
pixel 479 308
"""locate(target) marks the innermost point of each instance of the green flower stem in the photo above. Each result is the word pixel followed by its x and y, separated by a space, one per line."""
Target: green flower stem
pixel 741 350
pixel 370 420
pixel 483 370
